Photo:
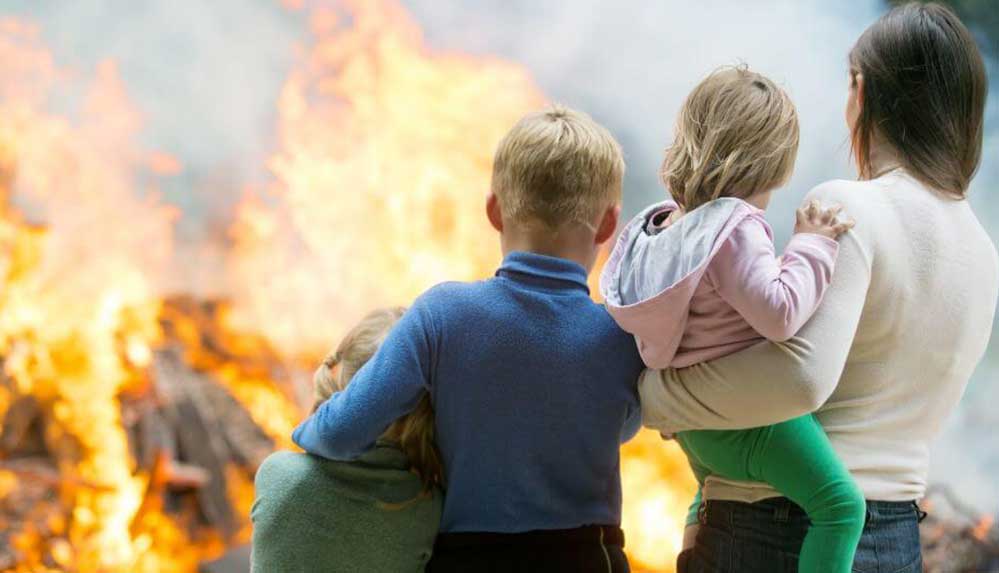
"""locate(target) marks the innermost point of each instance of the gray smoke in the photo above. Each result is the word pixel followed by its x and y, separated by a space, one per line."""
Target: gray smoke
pixel 206 76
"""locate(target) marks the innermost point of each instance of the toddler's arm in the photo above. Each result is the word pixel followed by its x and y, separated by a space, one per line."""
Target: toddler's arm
pixel 778 296
pixel 389 386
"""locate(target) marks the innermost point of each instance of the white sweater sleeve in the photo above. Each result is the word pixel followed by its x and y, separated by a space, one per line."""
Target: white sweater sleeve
pixel 769 382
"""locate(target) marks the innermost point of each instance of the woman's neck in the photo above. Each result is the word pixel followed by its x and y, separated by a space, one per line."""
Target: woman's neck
pixel 882 160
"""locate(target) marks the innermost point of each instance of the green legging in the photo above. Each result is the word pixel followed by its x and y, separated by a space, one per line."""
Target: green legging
pixel 796 458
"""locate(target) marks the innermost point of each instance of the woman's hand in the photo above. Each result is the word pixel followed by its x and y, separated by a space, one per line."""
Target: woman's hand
pixel 817 220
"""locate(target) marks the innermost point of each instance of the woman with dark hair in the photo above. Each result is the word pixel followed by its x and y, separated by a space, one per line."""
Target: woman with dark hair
pixel 906 319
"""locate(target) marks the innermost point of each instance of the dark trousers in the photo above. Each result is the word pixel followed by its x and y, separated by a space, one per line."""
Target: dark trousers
pixel 765 537
pixel 590 549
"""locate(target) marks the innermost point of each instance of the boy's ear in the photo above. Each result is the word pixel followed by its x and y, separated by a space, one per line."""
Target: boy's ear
pixel 608 224
pixel 494 212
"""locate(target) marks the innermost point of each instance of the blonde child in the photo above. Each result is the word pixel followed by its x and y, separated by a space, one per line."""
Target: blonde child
pixel 379 513
pixel 697 278
pixel 534 386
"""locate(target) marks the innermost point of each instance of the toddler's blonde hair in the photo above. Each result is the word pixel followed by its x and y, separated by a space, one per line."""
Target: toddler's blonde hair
pixel 557 166
pixel 736 135
pixel 413 432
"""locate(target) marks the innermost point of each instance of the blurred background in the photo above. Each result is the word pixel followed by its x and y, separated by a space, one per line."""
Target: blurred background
pixel 197 199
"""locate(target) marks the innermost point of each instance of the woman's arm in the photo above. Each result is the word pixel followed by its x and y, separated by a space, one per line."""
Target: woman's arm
pixel 770 382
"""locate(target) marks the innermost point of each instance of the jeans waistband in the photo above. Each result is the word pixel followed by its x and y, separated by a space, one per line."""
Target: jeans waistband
pixel 610 535
pixel 781 510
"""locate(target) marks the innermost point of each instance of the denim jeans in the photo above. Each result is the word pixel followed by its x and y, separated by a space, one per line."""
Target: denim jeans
pixel 765 537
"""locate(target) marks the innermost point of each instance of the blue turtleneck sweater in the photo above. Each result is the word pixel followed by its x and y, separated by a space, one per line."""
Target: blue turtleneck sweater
pixel 533 387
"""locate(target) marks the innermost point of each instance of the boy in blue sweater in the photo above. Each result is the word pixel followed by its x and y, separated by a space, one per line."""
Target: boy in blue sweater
pixel 533 384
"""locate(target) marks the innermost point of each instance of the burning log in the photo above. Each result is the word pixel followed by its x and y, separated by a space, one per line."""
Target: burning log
pixel 212 431
pixel 187 434
pixel 32 517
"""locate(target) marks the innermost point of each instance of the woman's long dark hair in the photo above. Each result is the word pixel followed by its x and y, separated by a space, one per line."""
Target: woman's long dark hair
pixel 924 94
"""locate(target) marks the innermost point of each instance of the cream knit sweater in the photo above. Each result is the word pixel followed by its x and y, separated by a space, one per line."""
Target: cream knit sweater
pixel 884 360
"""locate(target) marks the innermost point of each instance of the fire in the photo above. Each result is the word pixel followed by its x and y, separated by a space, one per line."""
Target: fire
pixel 658 488
pixel 983 527
pixel 380 172
pixel 74 295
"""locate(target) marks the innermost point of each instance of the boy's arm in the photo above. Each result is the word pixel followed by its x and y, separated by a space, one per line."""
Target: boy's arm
pixel 770 382
pixel 775 296
pixel 389 386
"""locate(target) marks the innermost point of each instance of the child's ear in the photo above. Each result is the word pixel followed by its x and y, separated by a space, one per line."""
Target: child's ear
pixel 494 212
pixel 608 224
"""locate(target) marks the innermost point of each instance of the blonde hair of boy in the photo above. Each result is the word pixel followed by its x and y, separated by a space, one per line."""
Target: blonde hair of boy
pixel 414 432
pixel 736 135
pixel 557 166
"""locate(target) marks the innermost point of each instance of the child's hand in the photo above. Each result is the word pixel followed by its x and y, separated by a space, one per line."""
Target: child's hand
pixel 814 219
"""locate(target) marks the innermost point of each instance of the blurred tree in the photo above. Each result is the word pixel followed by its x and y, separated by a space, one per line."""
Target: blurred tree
pixel 982 16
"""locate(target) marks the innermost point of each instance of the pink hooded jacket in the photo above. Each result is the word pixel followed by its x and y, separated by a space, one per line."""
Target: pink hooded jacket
pixel 710 283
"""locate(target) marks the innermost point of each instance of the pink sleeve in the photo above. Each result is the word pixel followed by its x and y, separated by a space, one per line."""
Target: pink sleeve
pixel 776 297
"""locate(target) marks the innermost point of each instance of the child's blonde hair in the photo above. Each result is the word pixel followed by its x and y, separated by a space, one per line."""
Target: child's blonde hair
pixel 413 432
pixel 736 135
pixel 557 166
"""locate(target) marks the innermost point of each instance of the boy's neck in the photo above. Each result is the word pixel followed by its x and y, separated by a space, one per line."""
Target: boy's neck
pixel 572 242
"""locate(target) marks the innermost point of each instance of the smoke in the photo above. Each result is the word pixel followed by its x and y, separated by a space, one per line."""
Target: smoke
pixel 631 64
pixel 206 77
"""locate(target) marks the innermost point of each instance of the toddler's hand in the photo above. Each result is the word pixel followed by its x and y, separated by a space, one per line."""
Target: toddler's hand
pixel 814 219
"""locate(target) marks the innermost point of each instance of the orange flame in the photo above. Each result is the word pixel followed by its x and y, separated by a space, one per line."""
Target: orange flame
pixel 78 303
pixel 983 527
pixel 658 488
pixel 383 169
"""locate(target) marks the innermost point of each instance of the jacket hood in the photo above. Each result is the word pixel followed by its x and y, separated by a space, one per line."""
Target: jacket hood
pixel 654 270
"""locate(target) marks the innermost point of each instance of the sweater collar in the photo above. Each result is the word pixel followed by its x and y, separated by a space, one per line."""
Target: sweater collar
pixel 542 270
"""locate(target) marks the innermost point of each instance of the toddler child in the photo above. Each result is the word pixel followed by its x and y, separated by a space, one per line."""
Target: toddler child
pixel 697 278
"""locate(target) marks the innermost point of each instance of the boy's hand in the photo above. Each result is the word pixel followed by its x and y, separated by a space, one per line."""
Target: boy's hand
pixel 820 221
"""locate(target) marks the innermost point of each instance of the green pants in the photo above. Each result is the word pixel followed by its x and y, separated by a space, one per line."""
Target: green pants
pixel 796 458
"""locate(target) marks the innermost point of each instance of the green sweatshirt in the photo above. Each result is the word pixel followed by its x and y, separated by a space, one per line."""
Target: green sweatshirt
pixel 313 514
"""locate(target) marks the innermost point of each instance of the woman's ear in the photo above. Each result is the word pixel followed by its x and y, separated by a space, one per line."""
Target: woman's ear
pixel 494 212
pixel 858 78
pixel 608 224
